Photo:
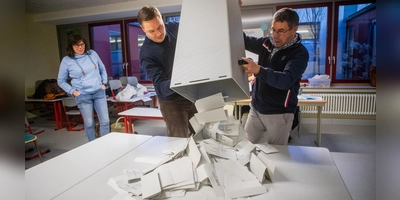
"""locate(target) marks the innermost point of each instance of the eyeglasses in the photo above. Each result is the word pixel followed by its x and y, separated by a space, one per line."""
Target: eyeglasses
pixel 280 32
pixel 79 45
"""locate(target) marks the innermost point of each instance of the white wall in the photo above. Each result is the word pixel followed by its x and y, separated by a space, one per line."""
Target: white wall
pixel 41 48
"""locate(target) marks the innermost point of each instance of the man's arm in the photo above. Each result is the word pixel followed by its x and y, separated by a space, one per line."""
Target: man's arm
pixel 160 81
pixel 285 79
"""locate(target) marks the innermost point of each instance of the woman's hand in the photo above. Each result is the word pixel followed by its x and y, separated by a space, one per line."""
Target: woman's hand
pixel 76 93
pixel 103 87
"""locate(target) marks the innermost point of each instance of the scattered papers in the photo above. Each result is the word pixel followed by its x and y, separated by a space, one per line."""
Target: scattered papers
pixel 132 174
pixel 266 148
pixel 218 155
pixel 150 185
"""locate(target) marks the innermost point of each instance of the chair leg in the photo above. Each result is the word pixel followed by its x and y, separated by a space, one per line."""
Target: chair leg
pixel 39 153
pixel 70 126
pixel 298 126
pixel 38 150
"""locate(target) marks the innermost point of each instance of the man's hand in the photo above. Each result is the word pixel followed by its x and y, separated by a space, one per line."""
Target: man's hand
pixel 251 78
pixel 240 3
pixel 251 67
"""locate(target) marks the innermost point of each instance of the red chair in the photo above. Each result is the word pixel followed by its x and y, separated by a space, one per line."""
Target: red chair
pixel 30 137
pixel 71 111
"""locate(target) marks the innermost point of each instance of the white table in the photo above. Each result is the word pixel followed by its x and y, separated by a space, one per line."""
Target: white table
pixel 139 113
pixel 124 105
pixel 53 177
pixel 301 173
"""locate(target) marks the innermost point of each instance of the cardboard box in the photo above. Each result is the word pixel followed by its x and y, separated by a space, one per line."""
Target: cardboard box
pixel 208 50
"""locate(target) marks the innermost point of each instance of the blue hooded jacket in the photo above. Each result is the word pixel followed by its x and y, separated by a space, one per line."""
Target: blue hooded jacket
pixel 87 73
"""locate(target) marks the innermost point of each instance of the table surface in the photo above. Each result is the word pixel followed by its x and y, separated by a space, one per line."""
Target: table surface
pixel 42 100
pixel 51 178
pixel 145 98
pixel 300 173
pixel 141 111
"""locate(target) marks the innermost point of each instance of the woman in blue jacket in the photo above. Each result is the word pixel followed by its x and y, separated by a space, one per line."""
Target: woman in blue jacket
pixel 88 78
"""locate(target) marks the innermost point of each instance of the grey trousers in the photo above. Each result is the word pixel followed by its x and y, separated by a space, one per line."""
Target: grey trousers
pixel 274 129
pixel 176 114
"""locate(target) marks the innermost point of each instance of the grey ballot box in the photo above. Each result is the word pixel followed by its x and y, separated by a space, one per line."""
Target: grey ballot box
pixel 210 43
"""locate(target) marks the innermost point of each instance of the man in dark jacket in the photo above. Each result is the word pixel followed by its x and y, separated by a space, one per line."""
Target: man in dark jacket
pixel 282 61
pixel 157 58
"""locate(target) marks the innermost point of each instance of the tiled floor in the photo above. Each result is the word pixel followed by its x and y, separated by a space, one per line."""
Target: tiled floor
pixel 352 146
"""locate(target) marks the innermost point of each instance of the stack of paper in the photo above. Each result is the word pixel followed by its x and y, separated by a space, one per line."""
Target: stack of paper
pixel 218 155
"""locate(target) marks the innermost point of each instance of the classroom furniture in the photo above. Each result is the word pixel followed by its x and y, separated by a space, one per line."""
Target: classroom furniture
pixel 124 80
pixel 71 109
pixel 132 80
pixel 57 109
pixel 301 173
pixel 139 113
pixel 30 137
pixel 317 103
pixel 57 175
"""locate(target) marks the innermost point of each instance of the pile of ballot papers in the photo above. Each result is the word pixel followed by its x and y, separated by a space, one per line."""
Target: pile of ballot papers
pixel 217 156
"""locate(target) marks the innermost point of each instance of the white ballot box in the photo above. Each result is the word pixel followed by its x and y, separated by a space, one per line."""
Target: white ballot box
pixel 208 49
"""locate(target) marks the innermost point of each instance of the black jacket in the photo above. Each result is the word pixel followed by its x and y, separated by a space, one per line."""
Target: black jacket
pixel 277 84
pixel 158 58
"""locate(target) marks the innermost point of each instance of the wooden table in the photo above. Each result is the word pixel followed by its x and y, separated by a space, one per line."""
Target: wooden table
pixel 318 103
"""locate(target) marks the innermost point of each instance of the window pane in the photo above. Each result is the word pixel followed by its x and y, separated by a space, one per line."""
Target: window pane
pixel 107 43
pixel 356 41
pixel 313 29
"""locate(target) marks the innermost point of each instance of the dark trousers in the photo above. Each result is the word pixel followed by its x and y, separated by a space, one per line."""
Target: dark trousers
pixel 176 114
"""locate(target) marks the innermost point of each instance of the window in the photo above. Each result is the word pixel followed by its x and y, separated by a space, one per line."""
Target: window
pixel 348 54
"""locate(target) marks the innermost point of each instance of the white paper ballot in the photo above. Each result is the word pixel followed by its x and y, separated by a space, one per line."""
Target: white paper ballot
pixel 132 174
pixel 258 168
pixel 134 188
pixel 210 103
pixel 266 148
pixel 150 185
pixel 269 164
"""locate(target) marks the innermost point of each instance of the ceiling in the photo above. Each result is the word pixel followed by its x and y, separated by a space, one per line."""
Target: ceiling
pixel 44 6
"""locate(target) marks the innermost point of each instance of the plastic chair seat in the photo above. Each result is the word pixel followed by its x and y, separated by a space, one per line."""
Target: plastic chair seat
pixel 73 112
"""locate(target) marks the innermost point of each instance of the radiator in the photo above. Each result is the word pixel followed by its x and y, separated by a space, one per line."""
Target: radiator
pixel 345 104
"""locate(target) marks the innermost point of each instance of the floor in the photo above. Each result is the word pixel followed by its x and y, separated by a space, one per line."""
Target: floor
pixel 351 143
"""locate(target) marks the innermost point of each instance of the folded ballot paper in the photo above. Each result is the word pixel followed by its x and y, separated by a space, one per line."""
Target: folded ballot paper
pixel 212 121
pixel 218 155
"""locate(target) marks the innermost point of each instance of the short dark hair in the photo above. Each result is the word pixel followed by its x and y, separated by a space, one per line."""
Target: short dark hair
pixel 148 13
pixel 286 15
pixel 74 39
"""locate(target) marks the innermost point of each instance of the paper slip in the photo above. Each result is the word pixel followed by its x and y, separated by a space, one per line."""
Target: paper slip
pixel 150 185
pixel 132 174
pixel 149 160
pixel 134 188
pixel 258 168
pixel 266 148
pixel 269 164
pixel 219 150
pixel 238 181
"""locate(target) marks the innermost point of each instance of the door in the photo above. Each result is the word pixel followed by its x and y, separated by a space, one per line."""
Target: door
pixel 108 41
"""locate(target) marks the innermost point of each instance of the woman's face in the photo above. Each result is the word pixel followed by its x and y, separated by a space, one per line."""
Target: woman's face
pixel 79 48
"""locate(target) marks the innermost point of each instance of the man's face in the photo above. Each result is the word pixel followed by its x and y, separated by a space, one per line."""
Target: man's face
pixel 154 29
pixel 282 33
